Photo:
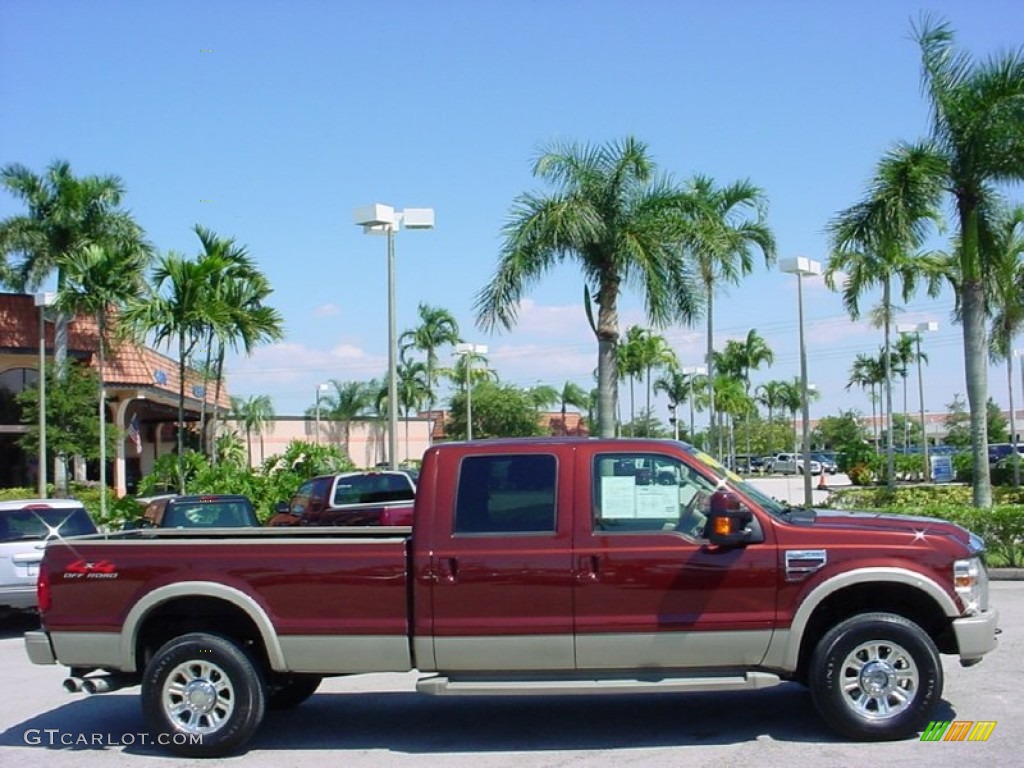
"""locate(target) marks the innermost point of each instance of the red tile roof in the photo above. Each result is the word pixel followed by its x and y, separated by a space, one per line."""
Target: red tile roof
pixel 127 364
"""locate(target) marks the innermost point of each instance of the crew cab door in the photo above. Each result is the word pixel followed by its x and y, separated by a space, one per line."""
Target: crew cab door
pixel 500 565
pixel 650 591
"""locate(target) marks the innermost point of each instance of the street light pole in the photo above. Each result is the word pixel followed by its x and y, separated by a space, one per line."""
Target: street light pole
pixel 801 267
pixel 319 388
pixel 384 219
pixel 692 371
pixel 467 351
pixel 917 329
pixel 42 300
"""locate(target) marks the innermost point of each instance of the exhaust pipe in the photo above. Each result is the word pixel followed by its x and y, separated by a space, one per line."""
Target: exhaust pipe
pixel 107 683
pixel 72 684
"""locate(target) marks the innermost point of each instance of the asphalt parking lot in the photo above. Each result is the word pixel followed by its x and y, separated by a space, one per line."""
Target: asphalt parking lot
pixel 378 720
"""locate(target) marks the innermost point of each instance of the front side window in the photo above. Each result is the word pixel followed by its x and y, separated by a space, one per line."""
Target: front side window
pixel 506 494
pixel 641 493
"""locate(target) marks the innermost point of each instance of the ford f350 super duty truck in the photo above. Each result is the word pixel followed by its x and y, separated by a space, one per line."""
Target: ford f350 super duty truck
pixel 533 566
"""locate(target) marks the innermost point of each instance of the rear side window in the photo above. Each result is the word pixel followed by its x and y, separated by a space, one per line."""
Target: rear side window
pixel 506 494
pixel 372 489
pixel 44 523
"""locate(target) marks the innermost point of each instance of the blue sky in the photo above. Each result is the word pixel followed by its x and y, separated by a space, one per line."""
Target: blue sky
pixel 271 122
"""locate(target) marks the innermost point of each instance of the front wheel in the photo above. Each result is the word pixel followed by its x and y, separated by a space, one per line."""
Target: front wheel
pixel 876 677
pixel 202 696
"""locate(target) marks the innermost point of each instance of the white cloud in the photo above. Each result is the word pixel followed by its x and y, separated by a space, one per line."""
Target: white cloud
pixel 327 310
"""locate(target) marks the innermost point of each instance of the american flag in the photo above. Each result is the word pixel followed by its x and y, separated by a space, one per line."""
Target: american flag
pixel 133 433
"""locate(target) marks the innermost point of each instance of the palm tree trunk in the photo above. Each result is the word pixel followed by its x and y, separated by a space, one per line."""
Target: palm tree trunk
pixel 890 461
pixel 1013 420
pixel 214 414
pixel 202 405
pixel 607 340
pixel 632 407
pixel 248 444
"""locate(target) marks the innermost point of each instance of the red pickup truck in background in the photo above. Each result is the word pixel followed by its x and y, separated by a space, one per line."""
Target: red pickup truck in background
pixel 375 497
pixel 556 565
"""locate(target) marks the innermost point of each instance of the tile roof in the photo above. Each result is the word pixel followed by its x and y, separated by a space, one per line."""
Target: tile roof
pixel 127 364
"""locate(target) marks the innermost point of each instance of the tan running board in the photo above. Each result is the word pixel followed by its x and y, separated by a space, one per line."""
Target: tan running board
pixel 444 686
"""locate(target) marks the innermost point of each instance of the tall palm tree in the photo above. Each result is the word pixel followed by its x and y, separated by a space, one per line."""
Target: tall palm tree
pixel 875 243
pixel 629 362
pixel 413 390
pixel 622 224
pixel 976 142
pixel 771 395
pixel 572 394
pixel 241 288
pixel 904 353
pixel 437 329
pixel 177 311
pixel 749 355
pixel 655 353
pixel 348 400
pixel 676 386
pixel 867 373
pixel 256 413
pixel 728 225
pixel 792 400
pixel 98 280
pixel 1006 300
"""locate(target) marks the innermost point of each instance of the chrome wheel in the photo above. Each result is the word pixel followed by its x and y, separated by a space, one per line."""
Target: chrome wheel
pixel 879 679
pixel 198 697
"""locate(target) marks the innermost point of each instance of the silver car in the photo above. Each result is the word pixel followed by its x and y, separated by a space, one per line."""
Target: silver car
pixel 793 464
pixel 25 527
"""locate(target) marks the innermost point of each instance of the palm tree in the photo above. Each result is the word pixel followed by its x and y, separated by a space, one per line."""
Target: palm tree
pixel 676 386
pixel 256 413
pixel 65 214
pixel 622 224
pixel 1006 300
pixel 867 373
pixel 241 288
pixel 977 141
pixel 572 394
pixel 655 352
pixel 771 395
pixel 904 354
pixel 98 280
pixel 750 354
pixel 723 238
pixel 178 311
pixel 792 400
pixel 875 243
pixel 413 390
pixel 543 396
pixel 629 362
pixel 348 400
pixel 437 329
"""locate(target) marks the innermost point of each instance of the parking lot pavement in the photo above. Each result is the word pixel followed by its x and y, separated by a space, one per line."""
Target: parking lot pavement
pixel 378 720
pixel 790 488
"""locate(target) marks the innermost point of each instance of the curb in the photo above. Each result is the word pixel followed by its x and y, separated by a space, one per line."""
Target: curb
pixel 1006 574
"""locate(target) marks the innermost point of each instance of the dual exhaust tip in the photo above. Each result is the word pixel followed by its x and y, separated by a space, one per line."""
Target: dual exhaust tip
pixel 94 685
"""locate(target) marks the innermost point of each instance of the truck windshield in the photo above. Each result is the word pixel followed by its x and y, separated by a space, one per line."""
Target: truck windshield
pixel 727 477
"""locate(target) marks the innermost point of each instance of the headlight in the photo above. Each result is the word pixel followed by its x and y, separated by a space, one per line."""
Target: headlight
pixel 970 579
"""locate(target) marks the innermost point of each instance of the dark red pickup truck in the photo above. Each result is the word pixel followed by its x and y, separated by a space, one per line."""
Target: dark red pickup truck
pixel 566 566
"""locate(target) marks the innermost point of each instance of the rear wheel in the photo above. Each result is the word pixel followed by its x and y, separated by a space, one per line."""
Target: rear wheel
pixel 202 695
pixel 876 677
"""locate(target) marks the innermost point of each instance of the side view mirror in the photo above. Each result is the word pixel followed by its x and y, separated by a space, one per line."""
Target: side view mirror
pixel 281 508
pixel 729 521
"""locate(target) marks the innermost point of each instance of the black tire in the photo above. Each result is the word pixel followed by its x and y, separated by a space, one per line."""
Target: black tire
pixel 221 687
pixel 289 691
pixel 876 677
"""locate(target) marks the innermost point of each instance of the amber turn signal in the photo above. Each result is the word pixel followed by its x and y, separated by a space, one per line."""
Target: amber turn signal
pixel 723 526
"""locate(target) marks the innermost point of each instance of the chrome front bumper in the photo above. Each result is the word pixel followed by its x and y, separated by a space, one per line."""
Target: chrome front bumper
pixel 976 635
pixel 37 645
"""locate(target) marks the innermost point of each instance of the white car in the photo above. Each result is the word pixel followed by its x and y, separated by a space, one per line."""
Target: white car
pixel 25 527
pixel 793 464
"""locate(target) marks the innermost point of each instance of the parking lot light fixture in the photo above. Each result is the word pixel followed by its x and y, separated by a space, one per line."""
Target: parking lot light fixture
pixel 380 219
pixel 803 267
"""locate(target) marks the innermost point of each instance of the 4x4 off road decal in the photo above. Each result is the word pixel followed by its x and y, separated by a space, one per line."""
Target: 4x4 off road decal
pixel 91 569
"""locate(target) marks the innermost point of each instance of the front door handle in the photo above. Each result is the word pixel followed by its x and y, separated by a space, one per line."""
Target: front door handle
pixel 587 572
pixel 447 570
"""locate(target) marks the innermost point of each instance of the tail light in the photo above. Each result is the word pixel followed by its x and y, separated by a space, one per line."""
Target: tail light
pixel 43 596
